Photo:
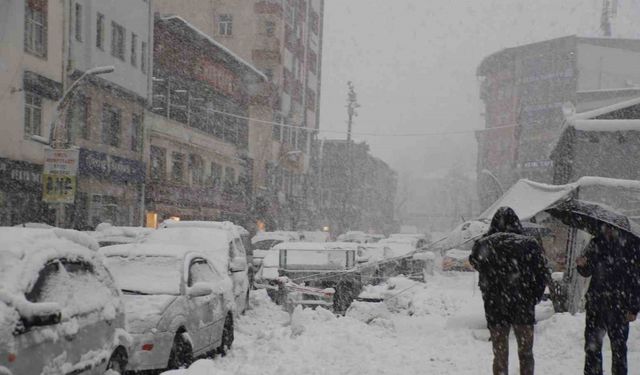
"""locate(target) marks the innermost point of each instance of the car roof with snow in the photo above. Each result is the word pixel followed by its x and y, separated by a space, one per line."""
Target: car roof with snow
pixel 199 234
pixel 23 251
pixel 314 246
pixel 266 236
pixel 147 250
pixel 221 225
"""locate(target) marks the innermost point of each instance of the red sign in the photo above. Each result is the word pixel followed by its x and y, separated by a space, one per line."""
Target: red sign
pixel 218 76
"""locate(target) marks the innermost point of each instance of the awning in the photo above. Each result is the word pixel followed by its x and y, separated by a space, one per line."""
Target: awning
pixel 527 198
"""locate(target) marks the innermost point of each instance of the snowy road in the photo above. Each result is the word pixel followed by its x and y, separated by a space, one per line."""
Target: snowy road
pixel 429 330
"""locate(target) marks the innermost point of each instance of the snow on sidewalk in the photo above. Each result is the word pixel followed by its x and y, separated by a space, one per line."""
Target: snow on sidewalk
pixel 428 329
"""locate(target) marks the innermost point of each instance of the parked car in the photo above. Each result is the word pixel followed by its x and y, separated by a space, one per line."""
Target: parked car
pixel 421 240
pixel 357 237
pixel 178 306
pixel 457 260
pixel 107 234
pixel 60 310
pixel 262 242
pixel 221 243
pixel 320 265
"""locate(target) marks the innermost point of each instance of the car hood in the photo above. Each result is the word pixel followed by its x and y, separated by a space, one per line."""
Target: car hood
pixel 144 311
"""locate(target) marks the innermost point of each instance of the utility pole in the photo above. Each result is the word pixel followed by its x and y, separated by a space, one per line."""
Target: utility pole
pixel 352 105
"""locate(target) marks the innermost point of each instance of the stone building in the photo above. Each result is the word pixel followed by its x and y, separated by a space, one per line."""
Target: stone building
pixel 283 39
pixel 525 88
pixel 31 58
pixel 199 166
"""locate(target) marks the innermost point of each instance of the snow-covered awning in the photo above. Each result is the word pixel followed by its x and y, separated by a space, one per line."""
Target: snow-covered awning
pixel 528 198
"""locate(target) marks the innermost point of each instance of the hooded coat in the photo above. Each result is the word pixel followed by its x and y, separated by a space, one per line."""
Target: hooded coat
pixel 512 270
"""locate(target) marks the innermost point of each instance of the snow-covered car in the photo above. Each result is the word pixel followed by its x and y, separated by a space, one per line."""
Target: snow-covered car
pixel 320 265
pixel 178 305
pixel 457 260
pixel 262 242
pixel 107 234
pixel 60 310
pixel 357 237
pixel 221 242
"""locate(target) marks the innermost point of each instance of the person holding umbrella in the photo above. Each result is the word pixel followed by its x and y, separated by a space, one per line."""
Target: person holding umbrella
pixel 613 300
pixel 513 276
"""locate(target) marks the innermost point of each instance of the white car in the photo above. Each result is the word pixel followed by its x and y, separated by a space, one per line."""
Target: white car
pixel 262 242
pixel 221 242
pixel 178 306
pixel 60 310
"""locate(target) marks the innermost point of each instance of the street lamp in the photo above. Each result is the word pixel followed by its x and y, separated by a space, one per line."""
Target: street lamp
pixel 66 96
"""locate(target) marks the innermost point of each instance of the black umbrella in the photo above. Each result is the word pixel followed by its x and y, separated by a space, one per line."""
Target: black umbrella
pixel 590 217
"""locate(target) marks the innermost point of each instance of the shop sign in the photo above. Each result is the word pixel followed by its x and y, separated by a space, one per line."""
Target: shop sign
pixel 20 173
pixel 110 167
pixel 59 175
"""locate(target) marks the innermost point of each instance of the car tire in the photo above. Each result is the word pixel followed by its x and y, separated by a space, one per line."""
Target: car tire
pixel 181 355
pixel 227 335
pixel 117 363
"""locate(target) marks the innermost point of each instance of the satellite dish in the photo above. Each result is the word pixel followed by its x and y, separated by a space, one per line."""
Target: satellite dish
pixel 568 109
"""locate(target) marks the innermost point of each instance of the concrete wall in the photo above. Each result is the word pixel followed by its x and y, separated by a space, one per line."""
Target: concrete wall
pixel 135 17
pixel 14 61
pixel 606 68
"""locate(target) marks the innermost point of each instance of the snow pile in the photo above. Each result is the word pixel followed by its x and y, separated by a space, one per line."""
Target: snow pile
pixel 270 341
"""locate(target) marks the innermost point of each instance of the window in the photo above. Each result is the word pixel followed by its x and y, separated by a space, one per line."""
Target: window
pixel 196 165
pixel 269 73
pixel 177 167
pixel 117 41
pixel 32 114
pixel 201 272
pixel 73 285
pixel 110 126
pixel 79 117
pixel 136 132
pixel 313 61
pixel 100 31
pixel 230 175
pixel 134 46
pixel 216 174
pixel 269 28
pixel 35 27
pixel 78 24
pixel 225 24
pixel 143 58
pixel 158 158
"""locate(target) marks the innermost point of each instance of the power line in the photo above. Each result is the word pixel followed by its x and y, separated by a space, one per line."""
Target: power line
pixel 418 134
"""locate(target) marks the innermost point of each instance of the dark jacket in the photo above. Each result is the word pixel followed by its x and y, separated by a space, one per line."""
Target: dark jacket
pixel 614 268
pixel 512 270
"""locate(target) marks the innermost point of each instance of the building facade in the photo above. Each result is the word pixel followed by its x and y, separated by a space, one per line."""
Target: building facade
pixel 31 83
pixel 355 190
pixel 106 113
pixel 197 154
pixel 283 39
pixel 525 89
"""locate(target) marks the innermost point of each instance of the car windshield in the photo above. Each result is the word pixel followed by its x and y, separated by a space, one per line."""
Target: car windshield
pixel 266 244
pixel 146 274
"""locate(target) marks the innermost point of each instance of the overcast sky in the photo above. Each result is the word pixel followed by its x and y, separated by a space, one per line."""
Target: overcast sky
pixel 413 64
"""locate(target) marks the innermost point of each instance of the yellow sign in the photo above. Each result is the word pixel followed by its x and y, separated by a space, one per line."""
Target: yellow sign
pixel 58 189
pixel 59 176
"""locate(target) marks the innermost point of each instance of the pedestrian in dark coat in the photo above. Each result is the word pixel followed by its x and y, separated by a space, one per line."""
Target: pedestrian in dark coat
pixel 513 276
pixel 613 298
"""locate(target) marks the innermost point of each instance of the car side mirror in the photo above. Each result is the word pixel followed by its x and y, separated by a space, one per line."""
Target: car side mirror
pixel 200 289
pixel 237 265
pixel 40 314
